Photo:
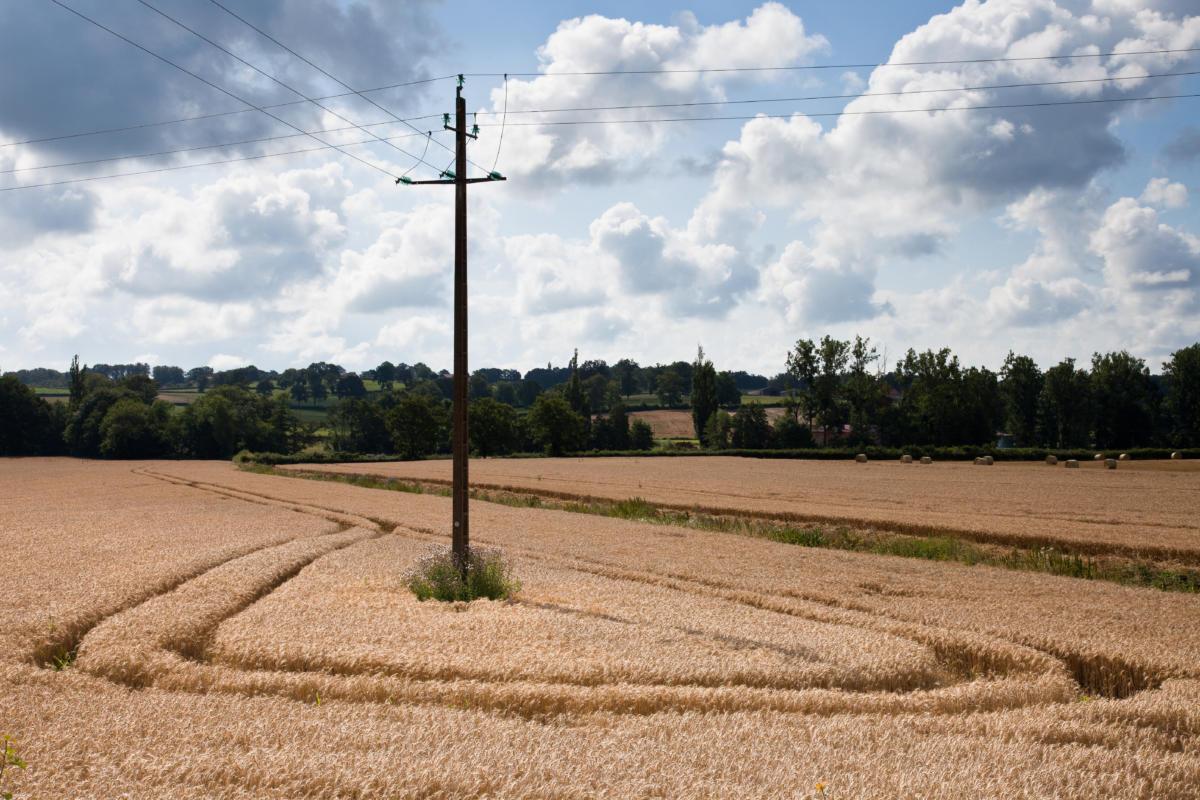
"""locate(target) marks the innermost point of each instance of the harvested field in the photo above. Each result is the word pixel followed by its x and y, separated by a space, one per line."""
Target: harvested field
pixel 1145 508
pixel 675 424
pixel 275 652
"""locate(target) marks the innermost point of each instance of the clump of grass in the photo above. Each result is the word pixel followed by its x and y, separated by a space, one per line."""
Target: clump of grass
pixel 8 758
pixel 931 548
pixel 439 576
pixel 805 537
pixel 63 659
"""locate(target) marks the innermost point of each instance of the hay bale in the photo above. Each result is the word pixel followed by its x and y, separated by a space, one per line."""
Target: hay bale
pixel 861 458
pixel 1071 464
pixel 926 460
pixel 1176 456
pixel 978 461
pixel 1110 463
pixel 989 460
pixel 985 461
pixel 1125 457
pixel 1098 457
pixel 906 459
pixel 1052 460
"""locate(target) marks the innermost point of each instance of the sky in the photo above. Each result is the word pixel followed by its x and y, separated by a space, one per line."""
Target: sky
pixel 1055 231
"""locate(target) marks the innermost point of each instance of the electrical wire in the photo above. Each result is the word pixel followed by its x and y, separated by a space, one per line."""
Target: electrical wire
pixel 428 138
pixel 324 72
pixel 503 120
pixel 207 82
pixel 672 71
pixel 271 77
pixel 198 117
pixel 854 113
pixel 174 167
pixel 132 156
pixel 897 93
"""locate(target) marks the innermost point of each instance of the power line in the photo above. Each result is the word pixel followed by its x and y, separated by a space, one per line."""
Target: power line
pixel 271 77
pixel 198 117
pixel 140 126
pixel 900 92
pixel 853 113
pixel 207 82
pixel 324 72
pixel 430 133
pixel 176 151
pixel 503 120
pixel 174 167
pixel 672 71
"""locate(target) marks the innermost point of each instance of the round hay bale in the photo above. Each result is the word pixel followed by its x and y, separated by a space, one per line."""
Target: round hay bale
pixel 1098 457
pixel 1176 456
pixel 1052 460
pixel 1071 464
pixel 978 461
pixel 861 458
pixel 1125 457
pixel 926 460
pixel 1110 463
pixel 988 460
pixel 906 459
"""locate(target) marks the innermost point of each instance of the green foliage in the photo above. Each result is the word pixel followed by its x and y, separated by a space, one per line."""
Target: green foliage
pixel 360 426
pixel 132 429
pixel 717 431
pixel 232 418
pixel 641 435
pixel 493 428
pixel 1020 385
pixel 790 434
pixel 1123 400
pixel 669 388
pixel 1064 406
pixel 704 395
pixel 1182 402
pixel 750 428
pixel 350 385
pixel 863 390
pixel 419 425
pixel 9 758
pixel 439 576
pixel 728 393
pixel 555 426
pixel 28 424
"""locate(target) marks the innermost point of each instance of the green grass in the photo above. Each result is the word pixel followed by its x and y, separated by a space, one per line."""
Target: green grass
pixel 439 576
pixel 932 547
pixel 762 400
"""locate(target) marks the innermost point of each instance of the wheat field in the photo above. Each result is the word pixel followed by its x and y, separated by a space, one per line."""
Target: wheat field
pixel 187 629
pixel 1147 508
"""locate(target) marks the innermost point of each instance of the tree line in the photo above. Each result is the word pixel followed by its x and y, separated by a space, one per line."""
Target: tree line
pixel 832 392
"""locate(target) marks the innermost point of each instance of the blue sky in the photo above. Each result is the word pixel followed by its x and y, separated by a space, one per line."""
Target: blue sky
pixel 1056 232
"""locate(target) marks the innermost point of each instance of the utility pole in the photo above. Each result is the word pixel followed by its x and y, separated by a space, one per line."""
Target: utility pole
pixel 460 530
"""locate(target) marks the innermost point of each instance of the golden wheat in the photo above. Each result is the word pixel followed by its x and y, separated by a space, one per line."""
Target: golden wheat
pixel 1146 508
pixel 275 652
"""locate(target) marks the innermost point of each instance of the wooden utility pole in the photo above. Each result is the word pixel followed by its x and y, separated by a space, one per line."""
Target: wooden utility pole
pixel 460 530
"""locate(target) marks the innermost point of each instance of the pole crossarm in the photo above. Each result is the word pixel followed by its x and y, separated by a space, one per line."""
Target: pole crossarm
pixel 452 182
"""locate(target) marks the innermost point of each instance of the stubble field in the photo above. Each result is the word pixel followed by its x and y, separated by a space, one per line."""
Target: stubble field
pixel 221 633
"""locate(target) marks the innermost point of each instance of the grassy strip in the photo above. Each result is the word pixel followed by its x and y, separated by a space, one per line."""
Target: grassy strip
pixel 1125 571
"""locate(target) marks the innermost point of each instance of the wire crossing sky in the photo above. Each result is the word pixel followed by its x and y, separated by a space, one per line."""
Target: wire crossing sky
pixel 988 176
